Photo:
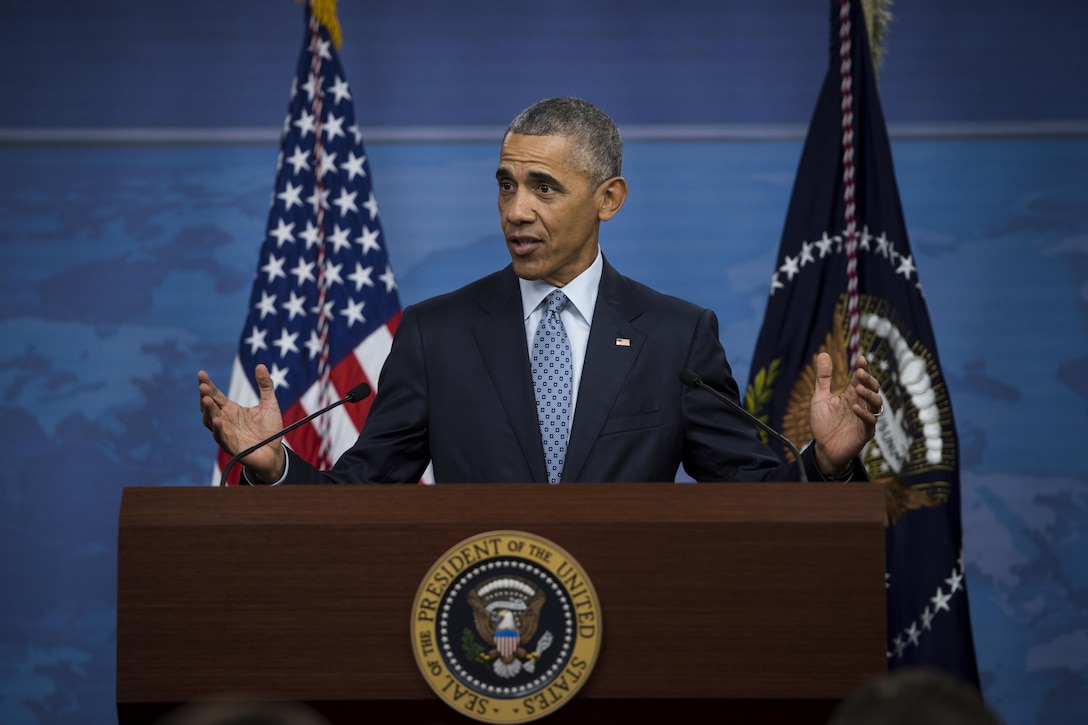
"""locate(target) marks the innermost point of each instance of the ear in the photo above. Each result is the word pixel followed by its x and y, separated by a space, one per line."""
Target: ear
pixel 611 195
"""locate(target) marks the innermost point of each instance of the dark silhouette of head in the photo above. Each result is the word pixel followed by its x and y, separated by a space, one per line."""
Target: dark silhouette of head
pixel 914 697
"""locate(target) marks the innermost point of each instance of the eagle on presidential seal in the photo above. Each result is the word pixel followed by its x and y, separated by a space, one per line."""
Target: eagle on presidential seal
pixel 899 496
pixel 506 613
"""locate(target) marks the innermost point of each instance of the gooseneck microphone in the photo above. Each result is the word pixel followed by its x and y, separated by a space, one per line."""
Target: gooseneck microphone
pixel 691 379
pixel 354 395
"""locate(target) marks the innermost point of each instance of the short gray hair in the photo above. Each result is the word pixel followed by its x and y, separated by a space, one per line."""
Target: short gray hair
pixel 598 147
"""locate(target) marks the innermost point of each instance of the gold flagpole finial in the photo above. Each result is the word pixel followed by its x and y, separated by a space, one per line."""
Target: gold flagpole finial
pixel 325 12
pixel 878 18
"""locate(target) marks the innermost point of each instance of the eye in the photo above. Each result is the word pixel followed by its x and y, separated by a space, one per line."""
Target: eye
pixel 545 188
pixel 506 185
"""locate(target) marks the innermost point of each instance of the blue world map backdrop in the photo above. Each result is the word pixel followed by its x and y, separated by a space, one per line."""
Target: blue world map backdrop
pixel 138 153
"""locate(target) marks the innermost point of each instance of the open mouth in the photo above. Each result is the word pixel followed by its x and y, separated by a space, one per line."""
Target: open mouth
pixel 522 245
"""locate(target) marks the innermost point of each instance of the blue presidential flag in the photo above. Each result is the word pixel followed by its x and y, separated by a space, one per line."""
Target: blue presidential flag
pixel 324 303
pixel 846 282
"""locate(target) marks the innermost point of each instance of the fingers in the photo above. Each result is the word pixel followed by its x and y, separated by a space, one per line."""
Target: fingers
pixel 209 407
pixel 823 373
pixel 263 378
pixel 209 390
pixel 867 388
pixel 203 385
pixel 265 387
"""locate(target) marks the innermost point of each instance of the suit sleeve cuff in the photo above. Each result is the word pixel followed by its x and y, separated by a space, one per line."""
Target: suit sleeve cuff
pixel 252 481
pixel 809 453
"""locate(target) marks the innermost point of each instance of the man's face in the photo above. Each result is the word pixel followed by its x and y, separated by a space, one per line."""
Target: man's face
pixel 550 211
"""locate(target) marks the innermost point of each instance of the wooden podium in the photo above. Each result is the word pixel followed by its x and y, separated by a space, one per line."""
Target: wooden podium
pixel 761 601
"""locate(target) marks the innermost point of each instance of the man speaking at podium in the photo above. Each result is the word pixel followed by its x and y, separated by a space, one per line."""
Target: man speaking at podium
pixel 556 368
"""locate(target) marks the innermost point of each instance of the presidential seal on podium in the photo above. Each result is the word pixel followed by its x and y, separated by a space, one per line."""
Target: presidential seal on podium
pixel 506 627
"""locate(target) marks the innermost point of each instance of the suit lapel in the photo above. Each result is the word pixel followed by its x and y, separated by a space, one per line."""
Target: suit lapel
pixel 614 345
pixel 500 337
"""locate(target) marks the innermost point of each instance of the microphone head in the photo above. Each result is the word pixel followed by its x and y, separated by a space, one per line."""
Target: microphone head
pixel 688 377
pixel 357 393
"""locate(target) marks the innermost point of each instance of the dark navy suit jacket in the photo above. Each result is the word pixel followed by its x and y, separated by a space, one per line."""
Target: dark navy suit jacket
pixel 456 389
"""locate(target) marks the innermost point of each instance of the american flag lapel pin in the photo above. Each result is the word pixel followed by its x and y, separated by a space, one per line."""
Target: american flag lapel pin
pixel 623 342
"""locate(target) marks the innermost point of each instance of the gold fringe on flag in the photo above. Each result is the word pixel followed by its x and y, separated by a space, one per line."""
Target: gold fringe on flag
pixel 878 18
pixel 325 12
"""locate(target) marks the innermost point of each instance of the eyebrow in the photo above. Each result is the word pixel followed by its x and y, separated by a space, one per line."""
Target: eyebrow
pixel 502 173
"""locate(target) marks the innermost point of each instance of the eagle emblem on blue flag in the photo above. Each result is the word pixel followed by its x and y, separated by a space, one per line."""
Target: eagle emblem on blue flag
pixel 914 407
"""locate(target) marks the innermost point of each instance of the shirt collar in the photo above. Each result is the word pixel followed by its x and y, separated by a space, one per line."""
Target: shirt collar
pixel 581 291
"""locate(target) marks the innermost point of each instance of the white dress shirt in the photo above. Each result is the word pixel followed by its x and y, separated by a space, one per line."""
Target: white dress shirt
pixel 582 293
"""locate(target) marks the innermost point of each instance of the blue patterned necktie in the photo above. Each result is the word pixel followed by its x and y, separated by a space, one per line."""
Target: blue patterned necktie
pixel 553 382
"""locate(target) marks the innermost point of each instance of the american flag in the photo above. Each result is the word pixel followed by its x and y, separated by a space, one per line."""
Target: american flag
pixel 324 304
